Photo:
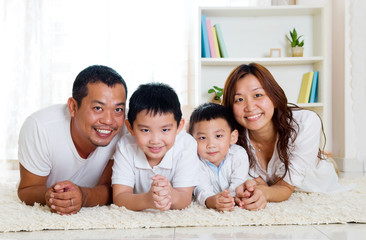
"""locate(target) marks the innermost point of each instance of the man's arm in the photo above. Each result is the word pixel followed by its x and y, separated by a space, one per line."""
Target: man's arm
pixel 32 188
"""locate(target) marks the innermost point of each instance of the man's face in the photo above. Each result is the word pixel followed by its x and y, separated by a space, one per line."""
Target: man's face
pixel 99 118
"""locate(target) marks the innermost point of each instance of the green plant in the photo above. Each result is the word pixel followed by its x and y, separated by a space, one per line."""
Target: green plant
pixel 295 40
pixel 218 92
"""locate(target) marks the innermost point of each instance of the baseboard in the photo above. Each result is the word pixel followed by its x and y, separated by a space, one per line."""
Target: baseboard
pixel 350 165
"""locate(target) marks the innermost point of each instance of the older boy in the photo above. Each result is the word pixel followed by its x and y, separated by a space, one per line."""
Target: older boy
pixel 157 165
pixel 224 165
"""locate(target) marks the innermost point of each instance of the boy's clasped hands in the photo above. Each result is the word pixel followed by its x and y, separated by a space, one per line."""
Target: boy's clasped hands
pixel 161 191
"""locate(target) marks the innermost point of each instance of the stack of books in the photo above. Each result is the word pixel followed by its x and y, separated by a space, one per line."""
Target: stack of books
pixel 309 88
pixel 212 45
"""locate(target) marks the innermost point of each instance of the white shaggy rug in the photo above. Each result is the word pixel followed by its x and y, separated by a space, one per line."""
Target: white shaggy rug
pixel 301 208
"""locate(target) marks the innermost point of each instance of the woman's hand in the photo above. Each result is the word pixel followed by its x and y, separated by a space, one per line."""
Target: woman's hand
pixel 250 194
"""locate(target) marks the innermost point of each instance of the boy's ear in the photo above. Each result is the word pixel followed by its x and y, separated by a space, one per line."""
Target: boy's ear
pixel 72 106
pixel 180 126
pixel 129 127
pixel 234 136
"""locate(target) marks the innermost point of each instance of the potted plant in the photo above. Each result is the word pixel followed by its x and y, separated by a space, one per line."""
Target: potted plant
pixel 217 94
pixel 296 44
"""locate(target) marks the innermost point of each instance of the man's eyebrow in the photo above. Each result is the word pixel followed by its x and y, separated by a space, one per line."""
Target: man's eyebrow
pixel 102 103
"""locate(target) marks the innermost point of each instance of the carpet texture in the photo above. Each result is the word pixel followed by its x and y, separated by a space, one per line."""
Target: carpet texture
pixel 301 208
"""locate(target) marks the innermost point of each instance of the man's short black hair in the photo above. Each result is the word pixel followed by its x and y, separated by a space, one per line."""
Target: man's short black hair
pixel 208 111
pixel 95 74
pixel 155 98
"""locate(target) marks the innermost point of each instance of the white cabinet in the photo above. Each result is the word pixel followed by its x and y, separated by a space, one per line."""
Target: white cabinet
pixel 250 33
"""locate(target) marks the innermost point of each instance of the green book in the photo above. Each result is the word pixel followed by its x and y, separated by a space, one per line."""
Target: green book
pixel 221 41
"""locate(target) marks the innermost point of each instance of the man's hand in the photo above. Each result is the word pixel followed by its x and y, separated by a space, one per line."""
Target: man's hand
pixel 64 198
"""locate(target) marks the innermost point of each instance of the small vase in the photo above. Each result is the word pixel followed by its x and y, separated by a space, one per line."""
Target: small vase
pixel 214 100
pixel 297 51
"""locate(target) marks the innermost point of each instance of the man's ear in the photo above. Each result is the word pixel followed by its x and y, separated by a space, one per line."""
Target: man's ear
pixel 180 126
pixel 72 106
pixel 129 127
pixel 234 136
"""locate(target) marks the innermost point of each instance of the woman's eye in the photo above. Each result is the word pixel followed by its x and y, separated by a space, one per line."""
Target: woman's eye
pixel 239 100
pixel 258 95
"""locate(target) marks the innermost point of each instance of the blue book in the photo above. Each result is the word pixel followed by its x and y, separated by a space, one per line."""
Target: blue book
pixel 314 88
pixel 205 46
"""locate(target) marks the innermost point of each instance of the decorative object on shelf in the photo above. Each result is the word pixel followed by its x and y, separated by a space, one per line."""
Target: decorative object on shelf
pixel 275 52
pixel 296 45
pixel 283 2
pixel 217 94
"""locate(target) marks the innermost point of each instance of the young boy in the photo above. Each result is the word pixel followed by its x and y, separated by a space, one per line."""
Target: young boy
pixel 224 165
pixel 157 165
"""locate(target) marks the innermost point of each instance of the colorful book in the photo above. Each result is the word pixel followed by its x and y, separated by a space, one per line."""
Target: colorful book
pixel 210 38
pixel 216 44
pixel 305 89
pixel 204 38
pixel 314 88
pixel 221 41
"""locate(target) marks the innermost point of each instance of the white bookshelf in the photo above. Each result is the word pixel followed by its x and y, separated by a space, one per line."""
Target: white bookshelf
pixel 250 33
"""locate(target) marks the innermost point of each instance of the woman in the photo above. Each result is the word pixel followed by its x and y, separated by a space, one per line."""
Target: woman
pixel 282 141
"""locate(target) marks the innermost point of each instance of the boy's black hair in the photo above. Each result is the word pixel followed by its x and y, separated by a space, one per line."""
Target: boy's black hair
pixel 208 111
pixel 95 74
pixel 155 98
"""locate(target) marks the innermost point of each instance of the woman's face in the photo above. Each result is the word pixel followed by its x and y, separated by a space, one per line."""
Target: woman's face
pixel 252 108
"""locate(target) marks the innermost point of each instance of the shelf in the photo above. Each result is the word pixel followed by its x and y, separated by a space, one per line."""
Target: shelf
pixel 310 105
pixel 262 11
pixel 264 61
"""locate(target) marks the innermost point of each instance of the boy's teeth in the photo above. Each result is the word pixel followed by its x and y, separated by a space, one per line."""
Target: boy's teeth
pixel 104 131
pixel 255 116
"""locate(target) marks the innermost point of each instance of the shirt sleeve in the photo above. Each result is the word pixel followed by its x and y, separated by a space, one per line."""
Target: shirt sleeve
pixel 187 171
pixel 306 147
pixel 123 166
pixel 33 151
pixel 204 189
pixel 240 168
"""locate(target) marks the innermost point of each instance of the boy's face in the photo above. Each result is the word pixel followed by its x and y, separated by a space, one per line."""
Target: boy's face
pixel 155 135
pixel 214 138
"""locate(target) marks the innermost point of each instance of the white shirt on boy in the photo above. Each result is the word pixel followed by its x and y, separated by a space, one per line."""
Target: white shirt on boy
pixel 180 164
pixel 232 172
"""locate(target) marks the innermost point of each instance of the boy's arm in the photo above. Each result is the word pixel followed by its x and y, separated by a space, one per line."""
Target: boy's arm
pixel 181 197
pixel 123 196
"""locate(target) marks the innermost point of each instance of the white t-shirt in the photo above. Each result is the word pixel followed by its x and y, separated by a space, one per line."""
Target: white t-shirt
pixel 46 149
pixel 232 172
pixel 306 171
pixel 180 164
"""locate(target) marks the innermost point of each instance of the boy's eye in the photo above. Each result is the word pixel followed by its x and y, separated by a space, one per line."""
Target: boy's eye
pixel 165 130
pixel 219 135
pixel 202 138
pixel 144 130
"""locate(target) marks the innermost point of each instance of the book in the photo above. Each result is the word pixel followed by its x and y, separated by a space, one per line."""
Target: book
pixel 210 38
pixel 204 38
pixel 304 94
pixel 221 41
pixel 314 88
pixel 216 44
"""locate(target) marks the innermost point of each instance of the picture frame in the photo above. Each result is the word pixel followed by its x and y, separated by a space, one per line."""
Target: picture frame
pixel 275 52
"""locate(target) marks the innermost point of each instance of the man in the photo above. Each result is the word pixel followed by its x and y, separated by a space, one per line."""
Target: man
pixel 65 151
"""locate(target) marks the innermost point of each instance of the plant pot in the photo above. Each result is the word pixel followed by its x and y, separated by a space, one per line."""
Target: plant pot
pixel 215 100
pixel 297 51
